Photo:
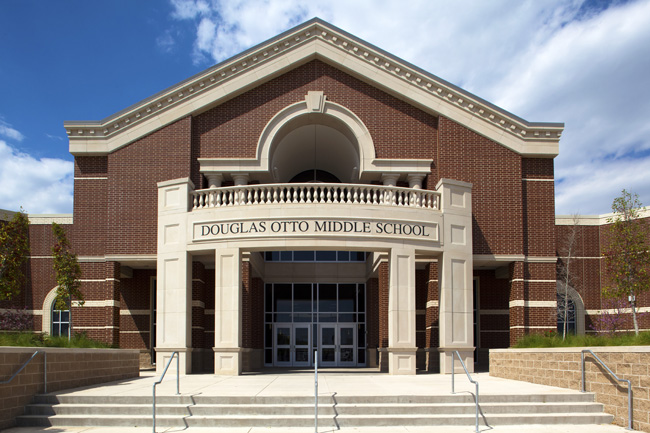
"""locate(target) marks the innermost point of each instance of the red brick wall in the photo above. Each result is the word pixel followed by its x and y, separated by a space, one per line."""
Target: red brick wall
pixel 90 205
pixel 495 173
pixel 383 304
pixel 134 172
pixel 136 298
pixel 247 305
pixel 198 312
pixel 372 313
pixel 421 292
pixel 493 301
pixel 432 315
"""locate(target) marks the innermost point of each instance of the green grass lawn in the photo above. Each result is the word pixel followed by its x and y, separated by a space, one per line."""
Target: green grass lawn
pixel 29 339
pixel 555 340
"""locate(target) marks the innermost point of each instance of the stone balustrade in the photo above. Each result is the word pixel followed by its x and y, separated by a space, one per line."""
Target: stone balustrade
pixel 315 193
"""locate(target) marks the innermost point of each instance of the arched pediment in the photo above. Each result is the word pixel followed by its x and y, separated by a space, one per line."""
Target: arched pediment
pixel 285 147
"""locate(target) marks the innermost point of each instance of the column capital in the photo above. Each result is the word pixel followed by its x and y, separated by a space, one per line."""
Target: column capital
pixel 240 179
pixel 415 180
pixel 389 179
pixel 214 179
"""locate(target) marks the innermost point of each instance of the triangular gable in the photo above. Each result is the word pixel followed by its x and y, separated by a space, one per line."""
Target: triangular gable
pixel 314 39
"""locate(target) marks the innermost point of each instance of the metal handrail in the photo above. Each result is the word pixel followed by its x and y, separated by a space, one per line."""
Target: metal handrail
pixel 455 352
pixel 315 391
pixel 153 407
pixel 629 384
pixel 25 365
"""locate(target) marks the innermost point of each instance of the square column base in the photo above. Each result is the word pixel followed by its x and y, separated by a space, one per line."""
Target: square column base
pixel 227 361
pixel 402 361
pixel 164 354
pixel 446 354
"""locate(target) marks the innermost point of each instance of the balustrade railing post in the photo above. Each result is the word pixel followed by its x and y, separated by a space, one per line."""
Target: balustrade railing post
pixel 307 193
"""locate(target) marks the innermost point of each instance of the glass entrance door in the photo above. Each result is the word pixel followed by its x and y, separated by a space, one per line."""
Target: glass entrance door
pixel 347 345
pixel 282 337
pixel 337 345
pixel 301 342
pixel 303 317
pixel 292 342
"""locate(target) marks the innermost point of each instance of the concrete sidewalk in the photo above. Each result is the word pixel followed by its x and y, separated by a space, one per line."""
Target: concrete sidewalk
pixel 330 382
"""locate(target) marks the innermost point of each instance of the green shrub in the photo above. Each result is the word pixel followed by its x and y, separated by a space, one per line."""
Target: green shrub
pixel 552 339
pixel 28 339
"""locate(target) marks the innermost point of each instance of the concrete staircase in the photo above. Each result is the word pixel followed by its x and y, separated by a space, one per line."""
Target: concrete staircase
pixel 334 411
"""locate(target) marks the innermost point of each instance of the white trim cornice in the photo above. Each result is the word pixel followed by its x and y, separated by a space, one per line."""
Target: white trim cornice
pixel 594 220
pixel 48 219
pixel 314 39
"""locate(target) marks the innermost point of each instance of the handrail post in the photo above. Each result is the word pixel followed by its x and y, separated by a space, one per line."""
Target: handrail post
pixel 453 391
pixel 629 384
pixel 315 391
pixel 178 371
pixel 456 353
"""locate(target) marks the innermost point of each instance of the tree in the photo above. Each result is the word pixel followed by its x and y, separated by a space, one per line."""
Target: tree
pixel 567 251
pixel 627 259
pixel 14 251
pixel 67 273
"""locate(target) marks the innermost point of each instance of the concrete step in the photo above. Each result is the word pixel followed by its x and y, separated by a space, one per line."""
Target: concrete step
pixel 298 411
pixel 301 409
pixel 180 410
pixel 174 421
pixel 307 421
pixel 309 400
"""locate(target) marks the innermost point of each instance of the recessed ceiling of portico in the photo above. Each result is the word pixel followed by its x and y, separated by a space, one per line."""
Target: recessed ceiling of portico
pixel 315 147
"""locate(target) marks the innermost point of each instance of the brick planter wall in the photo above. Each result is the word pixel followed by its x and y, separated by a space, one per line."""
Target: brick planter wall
pixel 66 368
pixel 561 367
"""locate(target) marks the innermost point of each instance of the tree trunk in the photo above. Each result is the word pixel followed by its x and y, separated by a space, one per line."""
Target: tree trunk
pixel 634 319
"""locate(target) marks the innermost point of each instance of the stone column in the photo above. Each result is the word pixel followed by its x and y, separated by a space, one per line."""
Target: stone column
pixel 174 275
pixel 455 269
pixel 227 312
pixel 402 346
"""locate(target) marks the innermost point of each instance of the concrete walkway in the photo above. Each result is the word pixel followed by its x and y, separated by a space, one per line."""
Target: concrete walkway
pixel 339 382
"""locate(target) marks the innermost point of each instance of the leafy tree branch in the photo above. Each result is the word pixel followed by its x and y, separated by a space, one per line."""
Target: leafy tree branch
pixel 14 251
pixel 627 257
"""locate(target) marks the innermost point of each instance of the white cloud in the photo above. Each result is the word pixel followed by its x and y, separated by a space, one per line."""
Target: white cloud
pixel 574 61
pixel 592 186
pixel 166 42
pixel 37 185
pixel 9 132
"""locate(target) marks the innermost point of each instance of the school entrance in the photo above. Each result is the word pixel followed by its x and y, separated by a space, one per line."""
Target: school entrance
pixel 301 318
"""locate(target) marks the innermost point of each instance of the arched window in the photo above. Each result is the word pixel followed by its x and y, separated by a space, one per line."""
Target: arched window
pixel 575 310
pixel 568 316
pixel 60 322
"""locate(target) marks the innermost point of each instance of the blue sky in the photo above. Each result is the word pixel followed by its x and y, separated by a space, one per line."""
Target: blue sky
pixel 584 63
